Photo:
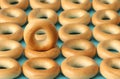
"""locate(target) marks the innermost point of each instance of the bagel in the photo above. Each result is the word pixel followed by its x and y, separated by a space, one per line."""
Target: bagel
pixel 51 53
pixel 76 4
pixel 105 16
pixel 13 15
pixel 9 68
pixel 74 31
pixel 41 68
pixel 74 16
pixel 51 4
pixel 79 67
pixel 41 45
pixel 106 4
pixel 23 4
pixel 11 31
pixel 104 48
pixel 110 68
pixel 47 14
pixel 106 31
pixel 78 47
pixel 10 48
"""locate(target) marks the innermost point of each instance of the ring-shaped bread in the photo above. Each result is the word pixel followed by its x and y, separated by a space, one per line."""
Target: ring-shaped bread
pixel 74 31
pixel 79 67
pixel 48 14
pixel 40 45
pixel 13 15
pixel 23 4
pixel 41 68
pixel 78 47
pixel 10 68
pixel 74 16
pixel 11 31
pixel 106 32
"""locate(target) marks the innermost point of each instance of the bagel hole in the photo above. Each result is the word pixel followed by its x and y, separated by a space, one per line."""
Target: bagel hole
pixel 5 49
pixel 77 66
pixel 76 48
pixel 43 17
pixel 105 2
pixel 13 3
pixel 10 15
pixel 74 33
pixel 40 68
pixel 105 18
pixel 1 67
pixel 40 32
pixel 108 32
pixel 115 67
pixel 73 17
pixel 113 50
pixel 44 1
pixel 119 24
pixel 6 32
pixel 76 2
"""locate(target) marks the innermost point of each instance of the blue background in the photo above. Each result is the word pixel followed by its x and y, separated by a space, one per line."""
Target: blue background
pixel 59 60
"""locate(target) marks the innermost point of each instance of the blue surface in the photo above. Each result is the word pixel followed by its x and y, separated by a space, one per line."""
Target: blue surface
pixel 59 60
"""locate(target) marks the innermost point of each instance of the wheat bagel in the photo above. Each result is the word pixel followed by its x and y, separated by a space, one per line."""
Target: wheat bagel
pixel 78 47
pixel 51 53
pixel 74 16
pixel 106 31
pixel 110 68
pixel 79 67
pixel 104 48
pixel 76 4
pixel 51 4
pixel 106 4
pixel 74 31
pixel 105 16
pixel 38 14
pixel 13 15
pixel 11 31
pixel 31 68
pixel 23 4
pixel 41 45
pixel 11 68
pixel 10 48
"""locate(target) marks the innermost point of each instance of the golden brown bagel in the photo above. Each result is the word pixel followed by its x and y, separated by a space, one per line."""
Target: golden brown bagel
pixel 74 16
pixel 76 4
pixel 51 53
pixel 74 31
pixel 78 47
pixel 106 4
pixel 79 67
pixel 104 47
pixel 10 48
pixel 11 68
pixel 51 4
pixel 105 16
pixel 23 4
pixel 11 31
pixel 32 68
pixel 13 15
pixel 106 31
pixel 51 35
pixel 47 14
pixel 110 68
